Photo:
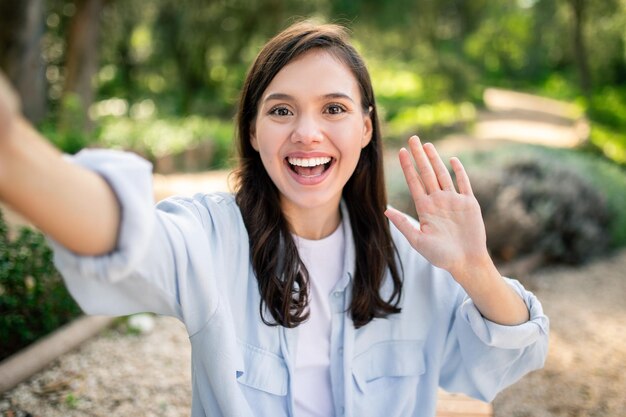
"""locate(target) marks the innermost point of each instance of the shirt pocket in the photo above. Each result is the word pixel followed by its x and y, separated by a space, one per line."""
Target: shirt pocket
pixel 389 365
pixel 263 370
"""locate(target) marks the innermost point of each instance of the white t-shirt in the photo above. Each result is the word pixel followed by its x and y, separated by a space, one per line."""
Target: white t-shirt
pixel 312 390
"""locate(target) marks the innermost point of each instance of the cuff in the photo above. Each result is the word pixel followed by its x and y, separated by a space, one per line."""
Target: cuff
pixel 508 337
pixel 130 177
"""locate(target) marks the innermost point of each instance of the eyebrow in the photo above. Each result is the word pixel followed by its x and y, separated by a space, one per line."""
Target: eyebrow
pixel 282 96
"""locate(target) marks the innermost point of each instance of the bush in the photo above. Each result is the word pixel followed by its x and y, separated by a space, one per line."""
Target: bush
pixel 531 207
pixel 33 298
pixel 607 178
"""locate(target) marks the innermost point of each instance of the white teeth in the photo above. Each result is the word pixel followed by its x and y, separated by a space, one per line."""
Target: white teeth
pixel 309 162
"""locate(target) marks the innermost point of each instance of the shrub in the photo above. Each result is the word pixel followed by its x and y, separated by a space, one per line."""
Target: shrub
pixel 33 298
pixel 608 179
pixel 531 207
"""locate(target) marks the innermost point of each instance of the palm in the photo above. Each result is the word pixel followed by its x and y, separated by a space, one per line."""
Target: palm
pixel 451 229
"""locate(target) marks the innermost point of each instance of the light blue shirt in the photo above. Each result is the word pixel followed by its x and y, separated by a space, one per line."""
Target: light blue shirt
pixel 189 258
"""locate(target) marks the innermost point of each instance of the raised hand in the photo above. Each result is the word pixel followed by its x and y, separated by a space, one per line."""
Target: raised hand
pixel 451 233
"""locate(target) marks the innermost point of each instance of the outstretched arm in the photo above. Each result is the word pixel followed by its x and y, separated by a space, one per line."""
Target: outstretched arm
pixel 74 206
pixel 451 234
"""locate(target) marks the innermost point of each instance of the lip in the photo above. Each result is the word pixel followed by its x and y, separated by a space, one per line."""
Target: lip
pixel 309 181
pixel 308 155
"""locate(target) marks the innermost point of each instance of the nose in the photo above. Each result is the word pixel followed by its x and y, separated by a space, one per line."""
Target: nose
pixel 307 130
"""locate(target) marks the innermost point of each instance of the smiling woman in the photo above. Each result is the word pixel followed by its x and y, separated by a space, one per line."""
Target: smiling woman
pixel 302 293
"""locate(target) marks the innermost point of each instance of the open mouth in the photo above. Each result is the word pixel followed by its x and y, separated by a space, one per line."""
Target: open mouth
pixel 309 167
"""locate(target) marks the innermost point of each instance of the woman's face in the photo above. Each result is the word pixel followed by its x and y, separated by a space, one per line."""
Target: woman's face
pixel 309 131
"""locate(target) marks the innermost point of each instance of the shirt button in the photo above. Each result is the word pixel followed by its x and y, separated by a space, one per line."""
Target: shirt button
pixel 337 294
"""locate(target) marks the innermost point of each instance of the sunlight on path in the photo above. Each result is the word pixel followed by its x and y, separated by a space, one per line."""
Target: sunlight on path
pixel 532 119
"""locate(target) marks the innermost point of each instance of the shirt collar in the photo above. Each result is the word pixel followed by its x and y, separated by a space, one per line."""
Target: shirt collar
pixel 350 250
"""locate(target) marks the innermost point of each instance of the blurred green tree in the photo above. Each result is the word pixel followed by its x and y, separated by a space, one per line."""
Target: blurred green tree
pixel 190 58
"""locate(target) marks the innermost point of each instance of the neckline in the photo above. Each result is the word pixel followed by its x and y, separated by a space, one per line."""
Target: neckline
pixel 337 234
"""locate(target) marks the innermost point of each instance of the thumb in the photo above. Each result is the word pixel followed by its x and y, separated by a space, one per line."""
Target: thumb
pixel 410 231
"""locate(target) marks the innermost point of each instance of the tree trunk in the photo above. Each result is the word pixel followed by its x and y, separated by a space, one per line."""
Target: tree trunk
pixel 21 30
pixel 82 63
pixel 580 48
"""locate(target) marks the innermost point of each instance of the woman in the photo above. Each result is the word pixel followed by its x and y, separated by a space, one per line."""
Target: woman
pixel 298 295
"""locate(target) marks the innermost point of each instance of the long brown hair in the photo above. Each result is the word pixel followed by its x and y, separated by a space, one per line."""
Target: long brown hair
pixel 281 275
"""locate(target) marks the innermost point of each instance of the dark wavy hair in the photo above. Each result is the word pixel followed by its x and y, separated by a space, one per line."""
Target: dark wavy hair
pixel 281 275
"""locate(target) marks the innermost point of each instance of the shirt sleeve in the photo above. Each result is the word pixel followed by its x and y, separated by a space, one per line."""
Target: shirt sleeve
pixel 482 358
pixel 160 253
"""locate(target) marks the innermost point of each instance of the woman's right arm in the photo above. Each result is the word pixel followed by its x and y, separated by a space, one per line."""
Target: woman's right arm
pixel 117 252
pixel 74 206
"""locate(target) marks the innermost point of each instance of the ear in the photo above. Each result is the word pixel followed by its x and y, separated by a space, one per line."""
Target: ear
pixel 368 129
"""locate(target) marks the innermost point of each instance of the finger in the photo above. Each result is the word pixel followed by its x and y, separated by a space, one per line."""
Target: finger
pixel 465 187
pixel 441 171
pixel 424 168
pixel 404 225
pixel 416 187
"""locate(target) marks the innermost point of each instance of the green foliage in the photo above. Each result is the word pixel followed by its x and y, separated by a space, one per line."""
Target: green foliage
pixel 427 118
pixel 558 86
pixel 609 107
pixel 68 141
pixel 423 56
pixel 33 298
pixel 409 103
pixel 611 142
pixel 68 132
pixel 501 44
pixel 71 400
pixel 155 138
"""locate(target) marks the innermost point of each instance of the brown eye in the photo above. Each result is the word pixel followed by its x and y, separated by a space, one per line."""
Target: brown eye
pixel 280 111
pixel 335 109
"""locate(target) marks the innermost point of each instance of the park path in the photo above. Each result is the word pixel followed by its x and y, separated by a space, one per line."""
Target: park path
pixel 511 116
pixel 521 117
pixel 151 371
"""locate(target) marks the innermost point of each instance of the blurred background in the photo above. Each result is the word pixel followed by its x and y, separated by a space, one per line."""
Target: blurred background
pixel 96 72
pixel 530 93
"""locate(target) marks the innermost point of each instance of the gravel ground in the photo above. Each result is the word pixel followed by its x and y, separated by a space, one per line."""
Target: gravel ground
pixel 121 373
pixel 585 373
pixel 118 373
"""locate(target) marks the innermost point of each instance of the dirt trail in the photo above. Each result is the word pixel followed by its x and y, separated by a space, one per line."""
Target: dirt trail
pixel 521 117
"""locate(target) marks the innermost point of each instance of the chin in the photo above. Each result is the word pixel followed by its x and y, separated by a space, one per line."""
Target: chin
pixel 311 202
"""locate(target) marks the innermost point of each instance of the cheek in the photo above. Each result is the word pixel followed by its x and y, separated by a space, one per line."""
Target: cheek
pixel 349 144
pixel 269 153
pixel 270 136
